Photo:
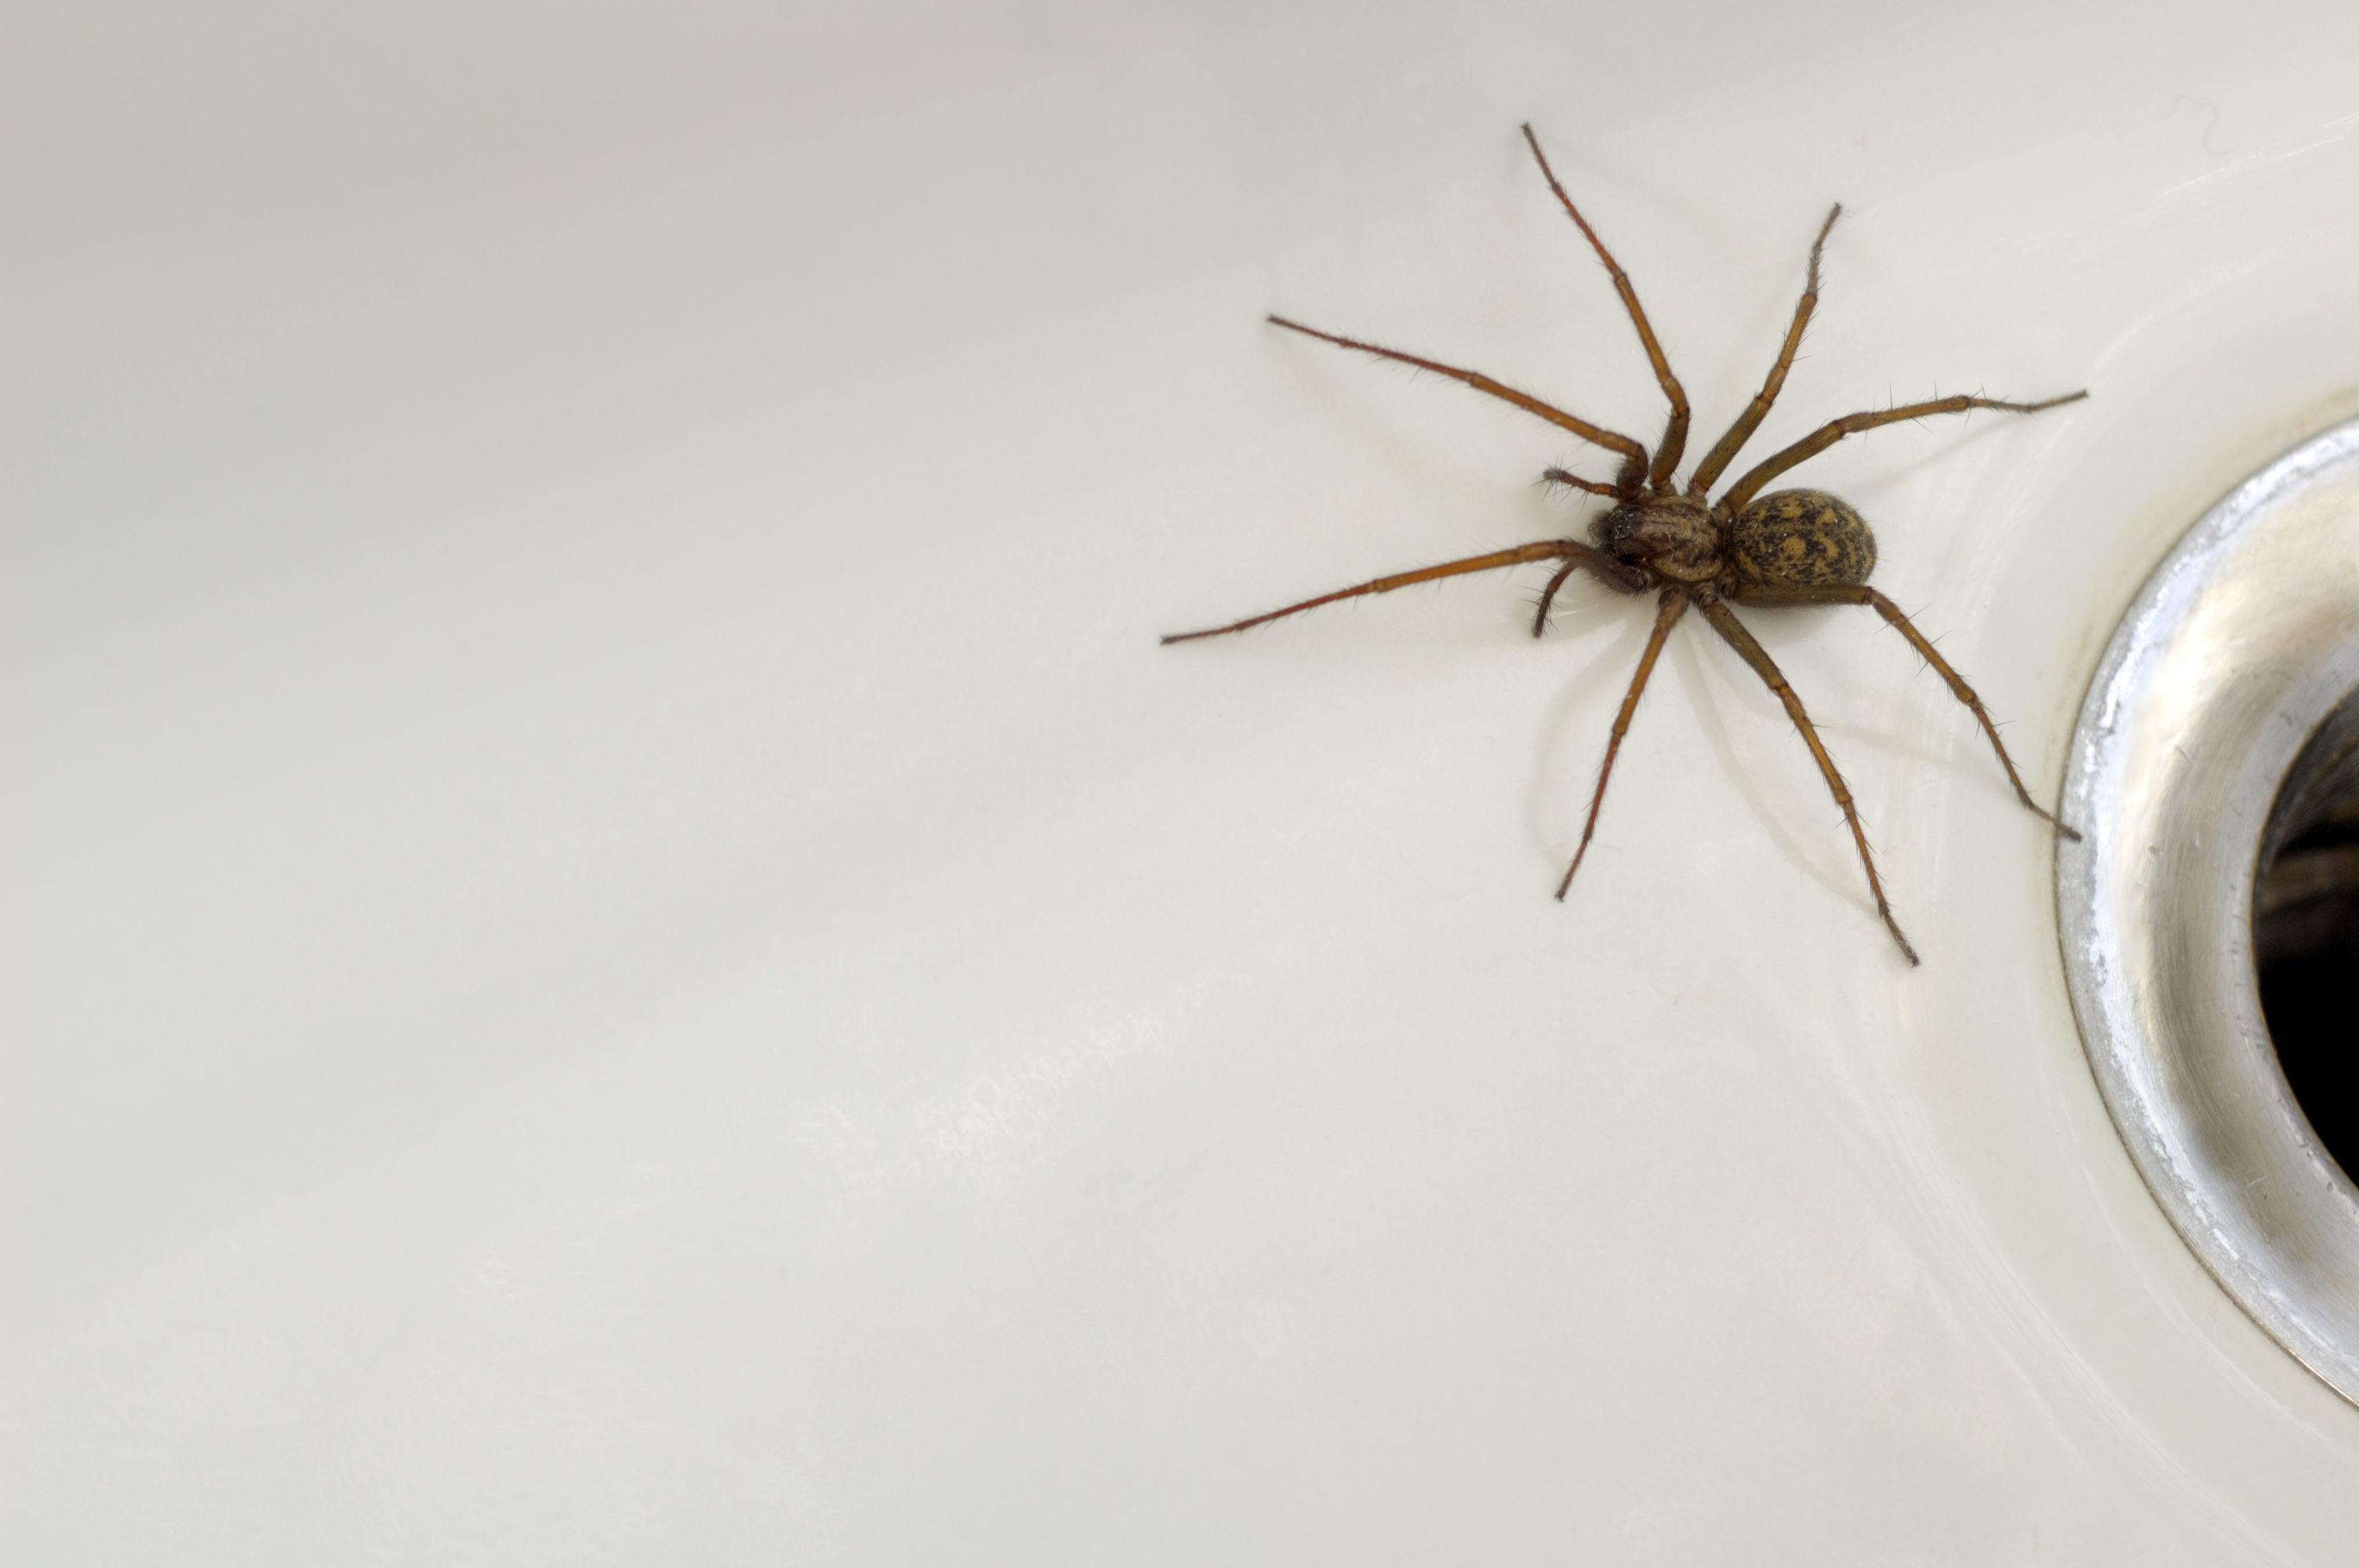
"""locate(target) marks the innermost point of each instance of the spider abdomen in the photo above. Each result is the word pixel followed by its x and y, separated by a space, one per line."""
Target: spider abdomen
pixel 1802 539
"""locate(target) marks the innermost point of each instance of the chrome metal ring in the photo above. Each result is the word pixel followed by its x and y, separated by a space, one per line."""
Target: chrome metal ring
pixel 2242 647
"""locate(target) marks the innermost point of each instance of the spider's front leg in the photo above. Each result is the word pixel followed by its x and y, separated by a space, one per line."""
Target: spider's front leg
pixel 1569 551
pixel 1675 432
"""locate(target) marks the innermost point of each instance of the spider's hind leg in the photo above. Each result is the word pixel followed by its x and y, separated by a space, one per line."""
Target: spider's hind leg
pixel 1942 666
pixel 1732 631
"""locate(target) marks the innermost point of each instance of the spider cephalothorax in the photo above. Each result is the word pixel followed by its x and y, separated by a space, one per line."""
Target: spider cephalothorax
pixel 1787 548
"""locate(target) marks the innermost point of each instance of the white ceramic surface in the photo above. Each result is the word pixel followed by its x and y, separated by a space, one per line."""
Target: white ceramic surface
pixel 625 950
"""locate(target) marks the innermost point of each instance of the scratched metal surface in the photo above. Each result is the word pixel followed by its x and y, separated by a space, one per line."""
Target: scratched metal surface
pixel 2238 651
pixel 625 949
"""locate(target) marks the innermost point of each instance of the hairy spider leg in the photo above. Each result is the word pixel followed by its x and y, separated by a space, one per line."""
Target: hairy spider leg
pixel 1633 455
pixel 1675 433
pixel 1545 550
pixel 1548 597
pixel 1917 640
pixel 1575 481
pixel 1834 430
pixel 1673 605
pixel 1725 450
pixel 1724 622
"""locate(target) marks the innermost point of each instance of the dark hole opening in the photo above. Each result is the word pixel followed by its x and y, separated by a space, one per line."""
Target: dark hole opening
pixel 2306 946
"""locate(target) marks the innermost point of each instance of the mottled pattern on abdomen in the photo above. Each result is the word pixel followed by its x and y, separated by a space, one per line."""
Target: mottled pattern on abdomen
pixel 1802 539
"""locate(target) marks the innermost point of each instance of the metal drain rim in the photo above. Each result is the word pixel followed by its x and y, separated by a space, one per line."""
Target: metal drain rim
pixel 2240 643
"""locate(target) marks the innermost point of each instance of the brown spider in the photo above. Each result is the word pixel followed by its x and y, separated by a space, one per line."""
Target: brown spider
pixel 1789 547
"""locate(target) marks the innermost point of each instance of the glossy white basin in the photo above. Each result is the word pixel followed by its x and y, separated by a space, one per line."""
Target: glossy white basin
pixel 628 951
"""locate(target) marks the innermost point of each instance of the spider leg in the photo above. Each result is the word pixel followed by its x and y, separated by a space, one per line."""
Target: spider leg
pixel 1575 481
pixel 1725 450
pixel 1732 631
pixel 1545 550
pixel 1673 604
pixel 1633 455
pixel 1675 434
pixel 1917 640
pixel 1548 597
pixel 1834 430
